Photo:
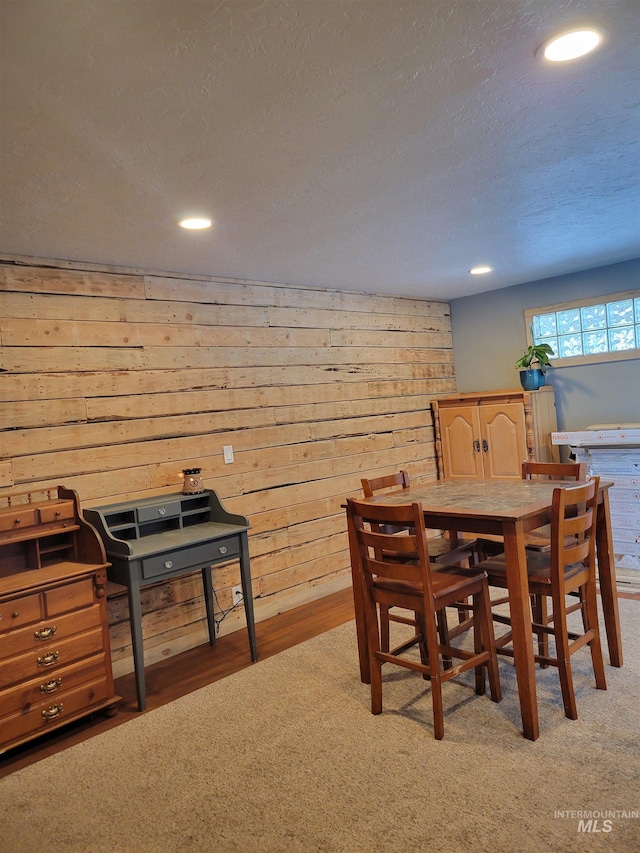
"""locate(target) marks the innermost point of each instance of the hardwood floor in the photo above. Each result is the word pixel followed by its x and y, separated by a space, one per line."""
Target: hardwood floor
pixel 169 679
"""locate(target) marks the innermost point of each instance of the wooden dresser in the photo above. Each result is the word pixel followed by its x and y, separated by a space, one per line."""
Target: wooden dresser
pixel 488 435
pixel 55 662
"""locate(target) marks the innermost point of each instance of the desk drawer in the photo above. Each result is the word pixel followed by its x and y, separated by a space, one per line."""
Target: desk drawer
pixel 20 611
pixel 196 557
pixel 17 518
pixel 157 512
pixel 53 711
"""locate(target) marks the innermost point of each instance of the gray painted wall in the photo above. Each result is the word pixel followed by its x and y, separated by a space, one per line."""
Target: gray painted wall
pixel 489 334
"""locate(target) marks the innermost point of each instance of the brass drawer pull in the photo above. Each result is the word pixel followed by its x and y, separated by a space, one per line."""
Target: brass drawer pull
pixel 48 659
pixel 51 686
pixel 45 633
pixel 52 711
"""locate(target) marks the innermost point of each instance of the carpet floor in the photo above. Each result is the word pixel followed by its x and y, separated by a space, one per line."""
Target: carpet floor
pixel 285 757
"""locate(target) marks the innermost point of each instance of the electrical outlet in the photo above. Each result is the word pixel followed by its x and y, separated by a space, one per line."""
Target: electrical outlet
pixel 236 595
pixel 227 450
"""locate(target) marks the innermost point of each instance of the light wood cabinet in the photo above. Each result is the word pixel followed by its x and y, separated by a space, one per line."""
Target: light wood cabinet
pixel 55 662
pixel 488 435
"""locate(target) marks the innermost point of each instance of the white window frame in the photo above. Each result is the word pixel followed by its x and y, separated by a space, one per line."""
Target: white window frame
pixel 593 358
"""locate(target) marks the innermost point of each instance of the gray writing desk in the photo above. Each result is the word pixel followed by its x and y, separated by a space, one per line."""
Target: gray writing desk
pixel 154 539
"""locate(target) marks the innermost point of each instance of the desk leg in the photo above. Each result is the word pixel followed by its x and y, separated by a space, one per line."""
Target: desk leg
pixel 519 606
pixel 135 619
pixel 247 594
pixel 607 580
pixel 207 585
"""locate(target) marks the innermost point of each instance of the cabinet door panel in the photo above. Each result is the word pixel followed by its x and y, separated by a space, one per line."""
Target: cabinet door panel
pixel 459 428
pixel 504 442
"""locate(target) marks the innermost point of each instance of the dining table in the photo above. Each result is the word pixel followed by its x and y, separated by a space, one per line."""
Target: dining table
pixel 509 509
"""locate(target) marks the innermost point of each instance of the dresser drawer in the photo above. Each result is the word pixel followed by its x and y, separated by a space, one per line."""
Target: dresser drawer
pixel 197 556
pixel 52 712
pixel 50 658
pixel 22 697
pixel 20 611
pixel 46 632
pixel 18 517
pixel 69 596
pixel 56 511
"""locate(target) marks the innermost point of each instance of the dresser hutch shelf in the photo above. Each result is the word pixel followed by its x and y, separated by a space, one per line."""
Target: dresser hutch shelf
pixel 55 659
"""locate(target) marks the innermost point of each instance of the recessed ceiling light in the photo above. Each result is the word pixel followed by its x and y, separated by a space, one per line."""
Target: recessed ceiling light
pixel 571 45
pixel 195 224
pixel 480 270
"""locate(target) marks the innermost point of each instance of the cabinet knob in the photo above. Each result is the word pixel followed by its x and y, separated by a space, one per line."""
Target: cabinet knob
pixel 168 564
pixel 18 520
pixel 15 614
pixel 223 549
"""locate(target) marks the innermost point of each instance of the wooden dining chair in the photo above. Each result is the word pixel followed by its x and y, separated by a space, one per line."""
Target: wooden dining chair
pixel 443 551
pixel 567 567
pixel 395 571
pixel 538 540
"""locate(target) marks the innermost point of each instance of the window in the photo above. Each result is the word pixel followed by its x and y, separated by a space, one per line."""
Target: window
pixel 589 330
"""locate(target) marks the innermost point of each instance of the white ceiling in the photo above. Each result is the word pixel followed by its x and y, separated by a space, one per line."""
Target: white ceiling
pixel 372 145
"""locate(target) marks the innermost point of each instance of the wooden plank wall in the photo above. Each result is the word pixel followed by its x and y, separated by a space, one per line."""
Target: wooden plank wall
pixel 116 380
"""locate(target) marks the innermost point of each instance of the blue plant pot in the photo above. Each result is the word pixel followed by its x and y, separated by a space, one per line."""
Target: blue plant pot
pixel 531 380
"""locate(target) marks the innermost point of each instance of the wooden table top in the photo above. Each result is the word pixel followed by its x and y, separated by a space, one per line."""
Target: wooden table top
pixel 512 499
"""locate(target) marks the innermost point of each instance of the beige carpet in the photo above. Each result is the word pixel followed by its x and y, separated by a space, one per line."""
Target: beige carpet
pixel 285 756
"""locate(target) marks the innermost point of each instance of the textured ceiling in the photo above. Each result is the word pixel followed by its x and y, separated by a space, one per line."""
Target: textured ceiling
pixel 375 145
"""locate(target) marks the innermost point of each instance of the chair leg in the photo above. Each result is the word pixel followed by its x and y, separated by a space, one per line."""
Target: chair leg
pixel 483 627
pixel 540 617
pixel 590 620
pixel 563 656
pixel 384 627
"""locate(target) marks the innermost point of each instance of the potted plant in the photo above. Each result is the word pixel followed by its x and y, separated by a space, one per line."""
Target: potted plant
pixel 532 365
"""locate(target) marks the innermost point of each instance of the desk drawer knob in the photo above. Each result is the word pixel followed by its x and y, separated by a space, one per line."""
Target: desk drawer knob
pixel 168 564
pixel 45 633
pixel 51 686
pixel 49 659
pixel 223 549
pixel 52 711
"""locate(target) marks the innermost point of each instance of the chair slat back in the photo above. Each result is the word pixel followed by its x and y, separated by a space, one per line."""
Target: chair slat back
pixel 554 470
pixel 374 485
pixel 387 556
pixel 573 522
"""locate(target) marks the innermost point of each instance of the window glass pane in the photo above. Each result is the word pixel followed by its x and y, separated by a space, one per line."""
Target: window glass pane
pixel 621 339
pixel 583 332
pixel 620 313
pixel 595 342
pixel 553 343
pixel 570 345
pixel 568 321
pixel 595 317
pixel 544 326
